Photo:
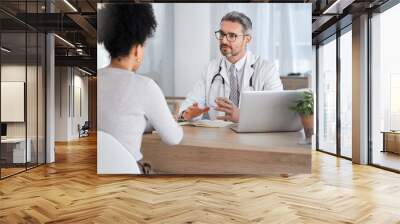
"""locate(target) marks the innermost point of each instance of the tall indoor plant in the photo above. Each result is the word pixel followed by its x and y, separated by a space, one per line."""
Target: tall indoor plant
pixel 305 107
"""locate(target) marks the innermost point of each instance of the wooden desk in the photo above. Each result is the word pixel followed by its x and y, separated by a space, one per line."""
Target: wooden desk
pixel 13 150
pixel 175 103
pixel 222 151
pixel 295 82
pixel 391 141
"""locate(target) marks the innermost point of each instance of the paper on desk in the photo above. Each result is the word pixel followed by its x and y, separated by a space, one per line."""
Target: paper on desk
pixel 207 123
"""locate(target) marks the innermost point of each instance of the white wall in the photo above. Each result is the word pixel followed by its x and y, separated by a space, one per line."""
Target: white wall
pixel 192 52
pixel 103 58
pixel 184 41
pixel 68 82
pixel 15 72
pixel 61 103
pixel 80 83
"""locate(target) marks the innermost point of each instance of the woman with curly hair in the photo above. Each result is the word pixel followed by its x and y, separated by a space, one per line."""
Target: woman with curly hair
pixel 130 104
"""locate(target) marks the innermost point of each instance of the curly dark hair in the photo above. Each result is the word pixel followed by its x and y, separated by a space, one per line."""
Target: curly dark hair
pixel 122 26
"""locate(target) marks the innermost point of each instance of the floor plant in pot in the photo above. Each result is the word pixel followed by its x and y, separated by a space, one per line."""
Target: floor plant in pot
pixel 305 107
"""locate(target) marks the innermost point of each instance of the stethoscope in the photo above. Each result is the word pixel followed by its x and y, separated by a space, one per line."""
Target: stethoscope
pixel 218 74
pixel 223 79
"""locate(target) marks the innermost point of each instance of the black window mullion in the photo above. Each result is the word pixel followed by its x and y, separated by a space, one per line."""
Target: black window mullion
pixel 369 90
pixel 317 96
pixel 338 95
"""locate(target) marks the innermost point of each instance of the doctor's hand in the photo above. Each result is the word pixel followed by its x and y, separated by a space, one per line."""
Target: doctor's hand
pixel 194 111
pixel 231 110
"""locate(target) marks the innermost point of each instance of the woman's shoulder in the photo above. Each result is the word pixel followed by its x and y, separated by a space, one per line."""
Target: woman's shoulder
pixel 114 72
pixel 144 81
pixel 123 75
pixel 144 84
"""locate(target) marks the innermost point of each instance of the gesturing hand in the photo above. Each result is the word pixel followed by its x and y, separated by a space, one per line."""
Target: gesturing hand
pixel 194 111
pixel 231 110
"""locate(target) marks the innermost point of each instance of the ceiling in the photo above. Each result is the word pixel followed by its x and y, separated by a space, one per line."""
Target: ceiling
pixel 332 15
pixel 75 28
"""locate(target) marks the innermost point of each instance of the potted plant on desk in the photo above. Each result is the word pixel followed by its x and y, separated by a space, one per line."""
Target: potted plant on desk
pixel 305 107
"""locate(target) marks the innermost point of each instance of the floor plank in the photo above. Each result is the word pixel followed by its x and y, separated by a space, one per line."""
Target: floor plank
pixel 70 191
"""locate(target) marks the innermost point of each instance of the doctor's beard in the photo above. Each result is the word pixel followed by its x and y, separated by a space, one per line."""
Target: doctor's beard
pixel 228 52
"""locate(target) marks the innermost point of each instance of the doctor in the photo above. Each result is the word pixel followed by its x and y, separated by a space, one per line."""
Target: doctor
pixel 217 94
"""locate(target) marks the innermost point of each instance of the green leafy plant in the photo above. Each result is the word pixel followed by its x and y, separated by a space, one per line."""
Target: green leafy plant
pixel 305 106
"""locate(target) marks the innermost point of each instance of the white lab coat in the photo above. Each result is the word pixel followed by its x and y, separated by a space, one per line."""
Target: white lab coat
pixel 262 74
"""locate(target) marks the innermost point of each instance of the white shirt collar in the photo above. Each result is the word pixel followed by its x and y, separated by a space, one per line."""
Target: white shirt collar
pixel 238 65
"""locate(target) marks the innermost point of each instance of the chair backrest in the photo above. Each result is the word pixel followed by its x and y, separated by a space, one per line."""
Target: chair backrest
pixel 86 125
pixel 112 156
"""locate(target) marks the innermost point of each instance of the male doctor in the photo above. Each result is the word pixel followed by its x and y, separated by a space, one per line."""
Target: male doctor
pixel 217 94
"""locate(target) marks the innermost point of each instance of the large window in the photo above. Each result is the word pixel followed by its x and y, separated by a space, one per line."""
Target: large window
pixel 346 93
pixel 385 88
pixel 327 97
pixel 335 73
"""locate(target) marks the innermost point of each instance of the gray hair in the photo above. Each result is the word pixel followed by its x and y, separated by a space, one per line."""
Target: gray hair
pixel 239 17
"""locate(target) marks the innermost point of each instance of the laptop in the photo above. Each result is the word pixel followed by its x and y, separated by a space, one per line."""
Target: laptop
pixel 268 111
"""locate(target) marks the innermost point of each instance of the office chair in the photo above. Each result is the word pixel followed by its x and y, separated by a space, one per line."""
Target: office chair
pixel 84 130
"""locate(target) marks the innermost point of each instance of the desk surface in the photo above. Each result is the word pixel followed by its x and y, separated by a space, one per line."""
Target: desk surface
pixel 225 137
pixel 221 150
pixel 391 132
pixel 13 140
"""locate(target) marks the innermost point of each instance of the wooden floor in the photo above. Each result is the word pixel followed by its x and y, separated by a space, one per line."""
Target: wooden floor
pixel 10 171
pixel 70 191
pixel 5 172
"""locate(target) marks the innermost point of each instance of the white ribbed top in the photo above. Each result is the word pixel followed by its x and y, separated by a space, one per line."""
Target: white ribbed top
pixel 128 104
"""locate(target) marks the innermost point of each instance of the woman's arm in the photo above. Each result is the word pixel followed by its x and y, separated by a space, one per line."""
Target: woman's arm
pixel 160 117
pixel 196 95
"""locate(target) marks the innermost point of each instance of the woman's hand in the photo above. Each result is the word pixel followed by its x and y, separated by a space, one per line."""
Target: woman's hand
pixel 194 111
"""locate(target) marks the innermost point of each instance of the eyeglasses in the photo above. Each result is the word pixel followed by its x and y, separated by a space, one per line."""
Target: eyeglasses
pixel 229 36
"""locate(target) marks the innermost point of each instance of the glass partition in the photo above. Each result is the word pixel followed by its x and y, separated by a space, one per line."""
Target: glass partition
pixel 14 154
pixel 22 90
